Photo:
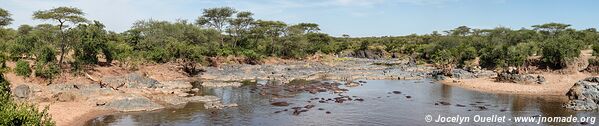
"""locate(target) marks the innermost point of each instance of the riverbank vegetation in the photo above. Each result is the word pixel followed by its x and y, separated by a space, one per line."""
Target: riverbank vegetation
pixel 69 42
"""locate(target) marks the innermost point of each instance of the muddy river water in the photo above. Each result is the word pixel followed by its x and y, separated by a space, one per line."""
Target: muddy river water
pixel 411 104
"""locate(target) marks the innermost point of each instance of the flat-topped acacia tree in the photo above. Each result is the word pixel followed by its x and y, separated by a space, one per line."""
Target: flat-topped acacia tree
pixel 62 15
pixel 4 17
pixel 217 18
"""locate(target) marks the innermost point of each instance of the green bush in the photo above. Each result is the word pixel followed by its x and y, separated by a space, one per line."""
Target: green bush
pixel 19 114
pixel 46 70
pixel 503 56
pixel 22 68
pixel 158 55
pixel 595 49
pixel 46 54
pixel 3 67
pixel 23 46
pixel 557 52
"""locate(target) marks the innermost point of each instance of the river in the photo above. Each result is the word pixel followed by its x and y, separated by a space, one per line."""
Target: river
pixel 418 98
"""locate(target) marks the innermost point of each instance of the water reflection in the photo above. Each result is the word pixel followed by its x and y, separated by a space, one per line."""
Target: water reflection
pixel 381 107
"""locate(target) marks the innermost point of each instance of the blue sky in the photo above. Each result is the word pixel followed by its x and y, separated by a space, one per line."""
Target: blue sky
pixel 336 17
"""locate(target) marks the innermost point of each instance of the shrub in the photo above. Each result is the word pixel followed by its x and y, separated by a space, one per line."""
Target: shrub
pixel 19 114
pixel 46 54
pixel 158 55
pixel 22 68
pixel 558 51
pixel 252 57
pixel 595 49
pixel 46 70
pixel 22 46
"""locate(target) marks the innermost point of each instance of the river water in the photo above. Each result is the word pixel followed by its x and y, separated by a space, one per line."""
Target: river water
pixel 380 107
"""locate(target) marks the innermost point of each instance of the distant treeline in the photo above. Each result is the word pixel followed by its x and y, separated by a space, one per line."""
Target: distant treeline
pixel 73 42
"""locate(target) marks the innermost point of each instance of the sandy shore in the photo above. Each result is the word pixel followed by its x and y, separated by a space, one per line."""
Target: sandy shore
pixel 556 84
pixel 72 113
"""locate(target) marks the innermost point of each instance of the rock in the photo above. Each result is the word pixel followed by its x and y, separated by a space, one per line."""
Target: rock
pixel 171 100
pixel 177 85
pixel 132 80
pixel 206 98
pixel 352 84
pixel 396 92
pixel 309 106
pixel 231 105
pixel 133 103
pixel 444 103
pixel 437 75
pixel 484 73
pixel 220 84
pixel 460 105
pixel 100 103
pixel 280 103
pixel 328 112
pixel 462 74
pixel 65 96
pixel 584 95
pixel 540 79
pixel 520 78
pixel 22 91
pixel 213 105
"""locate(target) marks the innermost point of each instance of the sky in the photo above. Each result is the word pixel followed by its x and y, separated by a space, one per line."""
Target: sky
pixel 357 18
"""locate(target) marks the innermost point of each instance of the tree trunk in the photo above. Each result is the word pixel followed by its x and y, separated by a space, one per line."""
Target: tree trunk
pixel 62 44
pixel 272 46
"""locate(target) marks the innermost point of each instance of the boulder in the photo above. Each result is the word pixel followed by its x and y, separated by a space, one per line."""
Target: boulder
pixel 65 97
pixel 437 75
pixel 132 80
pixel 171 100
pixel 461 74
pixel 520 78
pixel 207 98
pixel 22 91
pixel 177 85
pixel 280 103
pixel 133 103
pixel 584 95
pixel 221 84
pixel 485 73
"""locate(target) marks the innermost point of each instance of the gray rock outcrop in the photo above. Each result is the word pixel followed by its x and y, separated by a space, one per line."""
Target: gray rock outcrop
pixel 584 95
pixel 22 91
pixel 132 80
pixel 133 103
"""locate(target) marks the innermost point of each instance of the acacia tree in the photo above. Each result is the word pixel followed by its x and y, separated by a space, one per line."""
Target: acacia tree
pixel 62 15
pixel 551 28
pixel 270 29
pixel 217 18
pixel 4 18
pixel 240 25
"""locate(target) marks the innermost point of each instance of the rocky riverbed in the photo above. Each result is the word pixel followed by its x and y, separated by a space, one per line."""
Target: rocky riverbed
pixel 140 91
